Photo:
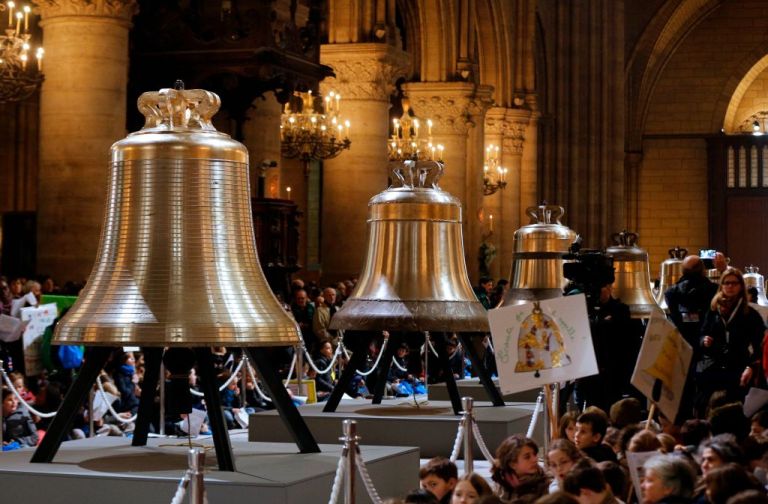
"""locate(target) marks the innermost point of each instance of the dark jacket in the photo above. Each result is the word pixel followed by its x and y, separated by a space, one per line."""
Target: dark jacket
pixel 18 426
pixel 124 383
pixel 736 344
pixel 600 453
pixel 323 382
pixel 688 301
pixel 530 488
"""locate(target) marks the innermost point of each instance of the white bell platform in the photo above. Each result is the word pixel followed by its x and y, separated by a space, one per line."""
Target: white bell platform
pixel 109 469
pixel 471 387
pixel 398 422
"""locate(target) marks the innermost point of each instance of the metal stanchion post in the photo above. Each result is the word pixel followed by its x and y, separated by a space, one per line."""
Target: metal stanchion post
pixel 547 416
pixel 469 437
pixel 299 368
pixel 243 380
pixel 2 372
pixel 161 422
pixel 350 450
pixel 426 361
pixel 196 458
pixel 91 422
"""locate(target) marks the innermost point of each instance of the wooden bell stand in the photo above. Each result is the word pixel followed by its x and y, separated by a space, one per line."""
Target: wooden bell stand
pixel 96 358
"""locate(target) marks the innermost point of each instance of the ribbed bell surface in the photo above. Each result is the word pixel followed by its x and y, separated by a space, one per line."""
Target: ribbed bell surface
pixel 671 271
pixel 415 277
pixel 177 263
pixel 537 261
pixel 633 275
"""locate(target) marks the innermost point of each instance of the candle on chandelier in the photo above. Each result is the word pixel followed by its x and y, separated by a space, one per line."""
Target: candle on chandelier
pixel 19 17
pixel 338 99
pixel 490 220
pixel 27 10
pixel 11 6
pixel 440 150
pixel 429 127
pixel 346 131
pixel 288 190
pixel 396 124
pixel 416 127
pixel 39 56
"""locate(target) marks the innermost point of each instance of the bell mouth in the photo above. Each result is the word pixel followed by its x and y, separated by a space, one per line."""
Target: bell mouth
pixel 411 316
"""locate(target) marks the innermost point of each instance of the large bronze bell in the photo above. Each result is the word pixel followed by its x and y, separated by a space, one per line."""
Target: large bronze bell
pixel 415 275
pixel 177 263
pixel 671 271
pixel 753 278
pixel 537 263
pixel 633 275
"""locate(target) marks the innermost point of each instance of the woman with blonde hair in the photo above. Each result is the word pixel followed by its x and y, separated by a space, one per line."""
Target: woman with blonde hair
pixel 730 343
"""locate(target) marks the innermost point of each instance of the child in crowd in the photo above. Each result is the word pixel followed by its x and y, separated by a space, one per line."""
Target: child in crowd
pixel 590 430
pixel 439 476
pixel 587 483
pixel 567 426
pixel 19 430
pixel 516 469
pixel 19 383
pixel 561 458
pixel 469 489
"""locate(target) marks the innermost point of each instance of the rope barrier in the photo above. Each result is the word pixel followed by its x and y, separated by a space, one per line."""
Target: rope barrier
pixel 432 348
pixel 481 443
pixel 261 394
pixel 233 376
pixel 375 364
pixel 363 470
pixel 339 479
pixel 181 489
pixel 21 399
pixel 535 416
pixel 398 366
pixel 109 405
pixel 290 369
pixel 457 442
pixel 330 366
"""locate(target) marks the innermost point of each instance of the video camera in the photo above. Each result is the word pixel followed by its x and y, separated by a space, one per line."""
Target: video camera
pixel 587 271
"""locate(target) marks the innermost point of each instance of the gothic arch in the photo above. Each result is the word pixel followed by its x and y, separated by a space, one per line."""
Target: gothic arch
pixel 752 66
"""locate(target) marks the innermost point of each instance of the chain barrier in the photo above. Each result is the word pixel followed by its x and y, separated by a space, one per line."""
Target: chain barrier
pixel 233 376
pixel 535 416
pixel 21 399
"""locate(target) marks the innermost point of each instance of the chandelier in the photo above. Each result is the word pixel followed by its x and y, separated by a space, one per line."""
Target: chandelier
pixel 18 78
pixel 494 175
pixel 408 141
pixel 308 132
pixel 756 124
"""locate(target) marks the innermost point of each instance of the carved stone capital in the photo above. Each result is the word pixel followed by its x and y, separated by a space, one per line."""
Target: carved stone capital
pixel 495 121
pixel 364 71
pixel 122 10
pixel 454 107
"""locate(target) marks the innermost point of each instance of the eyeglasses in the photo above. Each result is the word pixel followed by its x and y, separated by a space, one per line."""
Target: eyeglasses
pixel 732 282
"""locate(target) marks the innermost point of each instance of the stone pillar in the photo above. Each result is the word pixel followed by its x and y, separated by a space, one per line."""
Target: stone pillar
pixel 458 112
pixel 365 77
pixel 632 162
pixel 261 134
pixel 82 112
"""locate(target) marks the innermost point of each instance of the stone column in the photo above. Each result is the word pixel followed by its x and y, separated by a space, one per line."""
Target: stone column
pixel 261 134
pixel 365 77
pixel 82 112
pixel 458 112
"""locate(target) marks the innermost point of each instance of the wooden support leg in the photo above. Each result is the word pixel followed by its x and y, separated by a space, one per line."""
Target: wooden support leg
pixel 95 358
pixel 384 364
pixel 445 365
pixel 356 362
pixel 210 387
pixel 467 341
pixel 152 359
pixel 282 401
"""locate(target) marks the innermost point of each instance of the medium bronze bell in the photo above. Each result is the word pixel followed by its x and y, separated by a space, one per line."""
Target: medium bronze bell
pixel 537 263
pixel 671 271
pixel 415 275
pixel 633 275
pixel 753 278
pixel 177 263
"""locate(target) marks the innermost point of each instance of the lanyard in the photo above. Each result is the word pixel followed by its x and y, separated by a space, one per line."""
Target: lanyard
pixel 727 322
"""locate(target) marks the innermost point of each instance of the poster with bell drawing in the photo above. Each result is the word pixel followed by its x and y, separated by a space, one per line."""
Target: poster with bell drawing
pixel 543 342
pixel 662 365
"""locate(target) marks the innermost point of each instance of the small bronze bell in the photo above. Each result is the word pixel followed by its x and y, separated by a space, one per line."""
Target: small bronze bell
pixel 415 276
pixel 177 263
pixel 671 271
pixel 633 275
pixel 537 263
pixel 753 278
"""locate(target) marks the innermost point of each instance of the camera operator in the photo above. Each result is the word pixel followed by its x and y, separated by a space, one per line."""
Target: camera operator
pixel 611 326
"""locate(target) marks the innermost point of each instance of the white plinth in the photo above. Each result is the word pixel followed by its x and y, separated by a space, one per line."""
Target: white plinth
pixel 109 470
pixel 432 427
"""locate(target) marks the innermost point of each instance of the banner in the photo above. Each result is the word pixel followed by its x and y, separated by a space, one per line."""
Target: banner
pixel 540 343
pixel 38 319
pixel 662 365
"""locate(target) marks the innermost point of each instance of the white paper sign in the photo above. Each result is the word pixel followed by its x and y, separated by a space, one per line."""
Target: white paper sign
pixel 635 460
pixel 38 319
pixel 100 406
pixel 535 347
pixel 193 423
pixel 242 418
pixel 10 328
pixel 662 365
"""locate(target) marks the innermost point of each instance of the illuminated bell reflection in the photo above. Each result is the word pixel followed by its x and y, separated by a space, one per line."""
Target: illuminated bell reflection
pixel 633 276
pixel 671 272
pixel 540 344
pixel 177 262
